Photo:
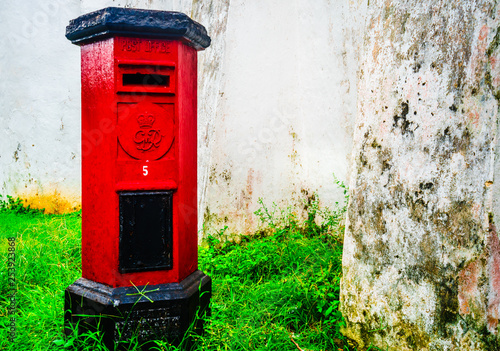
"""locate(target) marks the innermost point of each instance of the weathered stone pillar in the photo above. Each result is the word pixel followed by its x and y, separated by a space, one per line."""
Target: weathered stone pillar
pixel 422 253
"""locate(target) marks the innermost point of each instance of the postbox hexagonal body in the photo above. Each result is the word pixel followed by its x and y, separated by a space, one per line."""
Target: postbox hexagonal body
pixel 139 117
pixel 139 206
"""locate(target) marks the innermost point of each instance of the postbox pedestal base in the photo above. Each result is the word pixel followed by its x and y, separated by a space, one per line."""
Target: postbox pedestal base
pixel 163 311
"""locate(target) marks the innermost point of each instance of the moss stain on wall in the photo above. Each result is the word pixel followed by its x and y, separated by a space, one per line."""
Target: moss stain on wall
pixel 419 250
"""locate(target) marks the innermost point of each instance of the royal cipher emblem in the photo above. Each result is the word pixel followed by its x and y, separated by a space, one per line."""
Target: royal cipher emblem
pixel 146 137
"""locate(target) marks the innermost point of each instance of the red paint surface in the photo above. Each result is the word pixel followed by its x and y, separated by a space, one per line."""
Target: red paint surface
pixel 109 112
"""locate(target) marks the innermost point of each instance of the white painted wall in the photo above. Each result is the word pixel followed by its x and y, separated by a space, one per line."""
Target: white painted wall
pixel 40 100
pixel 276 103
pixel 283 114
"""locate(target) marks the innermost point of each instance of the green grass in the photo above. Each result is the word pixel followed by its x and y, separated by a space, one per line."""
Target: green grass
pixel 47 261
pixel 273 287
pixel 274 290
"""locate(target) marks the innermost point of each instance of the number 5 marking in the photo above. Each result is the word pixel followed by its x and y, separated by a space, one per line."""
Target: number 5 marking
pixel 145 170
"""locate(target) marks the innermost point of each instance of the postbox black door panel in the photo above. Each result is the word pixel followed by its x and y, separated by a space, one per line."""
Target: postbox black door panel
pixel 145 231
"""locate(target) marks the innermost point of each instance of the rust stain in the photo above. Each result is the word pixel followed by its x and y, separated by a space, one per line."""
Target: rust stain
pixel 249 187
pixel 467 286
pixel 249 192
pixel 483 33
pixel 493 62
pixel 492 324
pixel 474 117
pixel 375 52
pixel 494 277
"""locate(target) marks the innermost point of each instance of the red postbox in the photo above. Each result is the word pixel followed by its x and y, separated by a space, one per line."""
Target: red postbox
pixel 139 199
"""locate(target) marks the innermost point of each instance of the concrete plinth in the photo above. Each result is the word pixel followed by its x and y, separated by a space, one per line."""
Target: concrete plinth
pixel 147 312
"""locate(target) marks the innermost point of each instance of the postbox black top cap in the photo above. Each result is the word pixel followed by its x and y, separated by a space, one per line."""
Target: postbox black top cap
pixel 111 21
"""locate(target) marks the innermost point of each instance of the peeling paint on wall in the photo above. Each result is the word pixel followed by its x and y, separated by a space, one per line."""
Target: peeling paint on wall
pixel 420 257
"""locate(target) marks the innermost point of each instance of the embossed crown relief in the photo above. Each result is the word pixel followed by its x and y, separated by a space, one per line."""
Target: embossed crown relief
pixel 146 137
pixel 146 130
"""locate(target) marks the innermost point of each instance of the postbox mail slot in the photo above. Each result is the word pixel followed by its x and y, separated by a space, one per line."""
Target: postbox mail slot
pixel 158 80
pixel 145 242
pixel 145 77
